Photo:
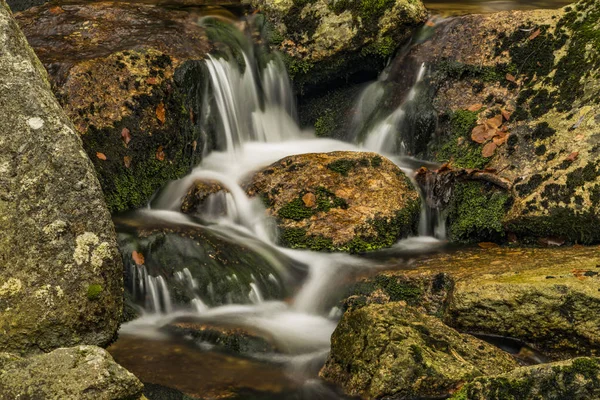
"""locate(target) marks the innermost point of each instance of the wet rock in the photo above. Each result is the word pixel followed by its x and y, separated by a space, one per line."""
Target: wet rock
pixel 576 379
pixel 233 339
pixel 130 77
pixel 363 201
pixel 323 41
pixel 60 270
pixel 76 373
pixel 196 197
pixel 539 67
pixel 196 262
pixel 548 298
pixel 394 351
pixel 428 294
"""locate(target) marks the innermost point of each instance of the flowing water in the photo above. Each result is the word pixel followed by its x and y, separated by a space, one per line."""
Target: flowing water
pixel 288 302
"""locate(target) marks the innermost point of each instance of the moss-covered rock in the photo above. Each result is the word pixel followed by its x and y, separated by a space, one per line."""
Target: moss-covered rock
pixel 394 351
pixel 198 194
pixel 56 237
pixel 577 379
pixel 340 201
pixel 324 40
pixel 76 373
pixel 548 298
pixel 541 68
pixel 130 77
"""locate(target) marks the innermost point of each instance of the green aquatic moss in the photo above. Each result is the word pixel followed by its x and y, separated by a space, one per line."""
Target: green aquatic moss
pixel 477 212
pixel 458 148
pixel 342 166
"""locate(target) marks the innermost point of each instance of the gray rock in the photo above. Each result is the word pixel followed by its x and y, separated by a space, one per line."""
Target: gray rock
pixel 60 270
pixel 76 373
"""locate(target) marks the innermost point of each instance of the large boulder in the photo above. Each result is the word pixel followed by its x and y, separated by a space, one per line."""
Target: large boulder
pixel 517 93
pixel 547 298
pixel 339 201
pixel 61 275
pixel 393 351
pixel 323 40
pixel 131 78
pixel 577 379
pixel 76 373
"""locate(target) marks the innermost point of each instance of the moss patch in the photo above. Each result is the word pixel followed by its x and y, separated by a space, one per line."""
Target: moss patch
pixel 94 291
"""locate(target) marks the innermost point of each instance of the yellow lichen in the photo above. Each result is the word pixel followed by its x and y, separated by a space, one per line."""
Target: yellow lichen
pixel 11 287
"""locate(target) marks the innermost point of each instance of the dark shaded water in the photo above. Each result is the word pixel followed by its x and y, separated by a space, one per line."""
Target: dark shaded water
pixel 454 7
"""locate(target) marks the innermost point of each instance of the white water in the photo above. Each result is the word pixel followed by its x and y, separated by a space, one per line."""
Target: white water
pixel 259 126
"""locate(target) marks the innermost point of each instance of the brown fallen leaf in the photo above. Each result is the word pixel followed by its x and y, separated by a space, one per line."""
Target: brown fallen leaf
pixel 127 161
pixel 151 81
pixel 194 145
pixel 489 149
pixel 430 23
pixel 500 138
pixel 56 10
pixel 192 116
pixel 160 113
pixel 160 154
pixel 444 167
pixel 579 138
pixel 478 134
pixel 535 34
pixel 126 136
pixel 573 156
pixel 138 258
pixel 494 122
pixel 487 245
pixel 475 107
pixel 490 170
pixel 101 156
pixel 511 78
pixel 506 114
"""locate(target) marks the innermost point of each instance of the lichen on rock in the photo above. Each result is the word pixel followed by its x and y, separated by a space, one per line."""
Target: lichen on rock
pixel 363 201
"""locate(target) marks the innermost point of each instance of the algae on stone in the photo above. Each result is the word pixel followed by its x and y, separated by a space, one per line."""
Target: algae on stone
pixel 392 351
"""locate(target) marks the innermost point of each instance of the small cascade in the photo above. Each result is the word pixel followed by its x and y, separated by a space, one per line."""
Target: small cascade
pixel 153 289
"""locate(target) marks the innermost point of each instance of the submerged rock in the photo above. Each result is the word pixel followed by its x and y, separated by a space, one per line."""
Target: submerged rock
pixel 324 41
pixel 196 198
pixel 60 271
pixel 203 265
pixel 130 76
pixel 577 379
pixel 536 73
pixel 394 351
pixel 340 201
pixel 76 373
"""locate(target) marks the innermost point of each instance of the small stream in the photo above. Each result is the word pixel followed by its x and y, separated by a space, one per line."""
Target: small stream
pixel 221 270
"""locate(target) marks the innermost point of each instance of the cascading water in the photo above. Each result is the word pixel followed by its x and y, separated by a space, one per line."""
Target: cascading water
pixel 257 120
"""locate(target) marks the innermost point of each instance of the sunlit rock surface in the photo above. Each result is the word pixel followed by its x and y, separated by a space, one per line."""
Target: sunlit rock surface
pixel 393 350
pixel 130 77
pixel 577 379
pixel 76 373
pixel 60 271
pixel 540 68
pixel 324 40
pixel 342 201
pixel 547 298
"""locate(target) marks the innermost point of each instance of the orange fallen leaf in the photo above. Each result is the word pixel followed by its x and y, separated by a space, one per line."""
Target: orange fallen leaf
pixel 478 134
pixel 56 10
pixel 151 81
pixel 194 145
pixel 511 78
pixel 579 138
pixel 127 161
pixel 487 245
pixel 535 34
pixel 101 156
pixel 489 149
pixel 494 122
pixel 192 116
pixel 160 154
pixel 430 23
pixel 160 113
pixel 126 136
pixel 506 114
pixel 500 138
pixel 138 258
pixel 573 156
pixel 475 107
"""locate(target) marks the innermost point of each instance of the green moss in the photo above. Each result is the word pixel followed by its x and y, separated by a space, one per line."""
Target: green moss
pixel 296 238
pixel 94 291
pixel 476 213
pixel 325 125
pixel 295 210
pixel 399 290
pixel 376 161
pixel 342 166
pixel 416 353
pixel 458 148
